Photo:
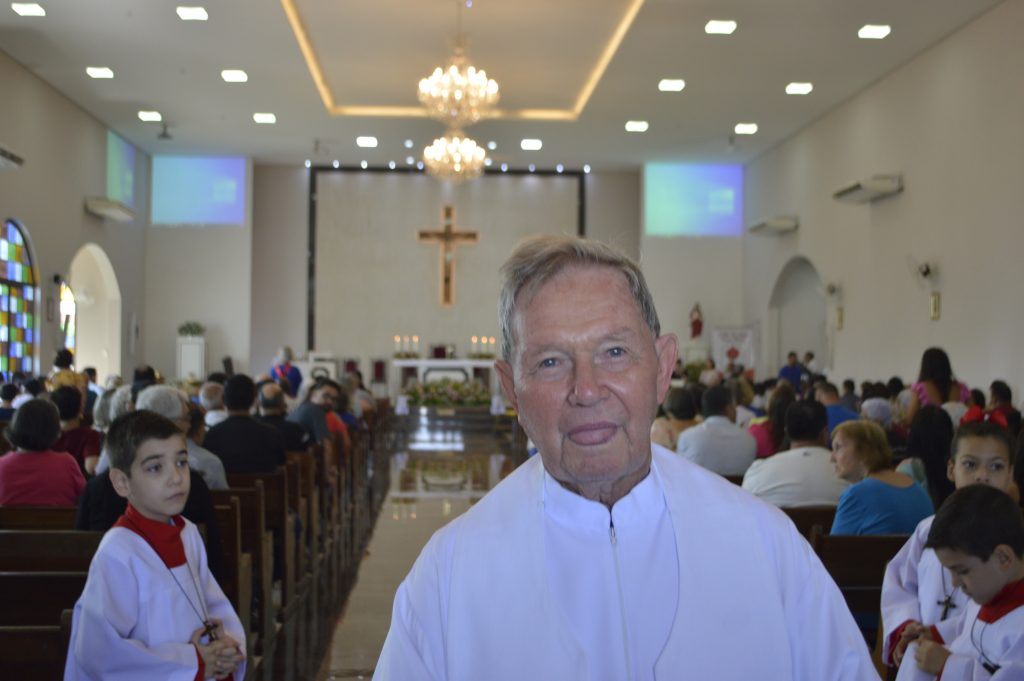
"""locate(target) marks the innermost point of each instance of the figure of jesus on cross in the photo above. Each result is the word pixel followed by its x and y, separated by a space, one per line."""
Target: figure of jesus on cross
pixel 447 239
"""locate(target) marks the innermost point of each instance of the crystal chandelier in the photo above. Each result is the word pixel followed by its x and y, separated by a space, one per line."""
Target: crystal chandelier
pixel 454 157
pixel 458 94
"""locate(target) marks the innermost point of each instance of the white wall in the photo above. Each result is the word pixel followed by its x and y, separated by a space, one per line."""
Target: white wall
pixel 65 152
pixel 203 274
pixel 613 209
pixel 949 120
pixel 98 313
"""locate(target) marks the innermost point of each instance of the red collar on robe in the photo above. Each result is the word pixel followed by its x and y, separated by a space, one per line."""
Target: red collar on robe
pixel 1006 601
pixel 165 538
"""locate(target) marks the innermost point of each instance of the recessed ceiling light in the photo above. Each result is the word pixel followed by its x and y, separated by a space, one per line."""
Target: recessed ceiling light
pixel 264 118
pixel 799 89
pixel 671 84
pixel 407 144
pixel 234 76
pixel 419 165
pixel 409 160
pixel 492 145
pixel 366 142
pixel 335 163
pixel 718 27
pixel 99 72
pixel 391 165
pixel 531 144
pixel 28 9
pixel 586 167
pixel 532 167
pixel 874 31
pixel 488 161
pixel 559 168
pixel 308 163
pixel 364 165
pixel 745 128
pixel 636 126
pixel 192 13
pixel 504 167
pixel 150 116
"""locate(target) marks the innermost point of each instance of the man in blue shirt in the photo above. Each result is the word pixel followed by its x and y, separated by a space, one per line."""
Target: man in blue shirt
pixel 792 371
pixel 828 394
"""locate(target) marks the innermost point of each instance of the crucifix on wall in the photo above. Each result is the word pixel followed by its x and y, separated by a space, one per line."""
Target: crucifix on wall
pixel 447 239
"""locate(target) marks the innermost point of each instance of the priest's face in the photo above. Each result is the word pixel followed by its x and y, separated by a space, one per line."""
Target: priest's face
pixel 159 483
pixel 587 376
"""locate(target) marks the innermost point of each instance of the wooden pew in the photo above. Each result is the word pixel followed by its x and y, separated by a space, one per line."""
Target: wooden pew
pixel 52 550
pixel 301 479
pixel 257 541
pixel 38 598
pixel 238 584
pixel 35 652
pixel 857 564
pixel 275 486
pixel 37 517
pixel 807 517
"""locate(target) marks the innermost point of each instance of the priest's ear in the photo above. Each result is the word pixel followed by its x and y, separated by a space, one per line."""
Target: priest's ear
pixel 121 482
pixel 506 376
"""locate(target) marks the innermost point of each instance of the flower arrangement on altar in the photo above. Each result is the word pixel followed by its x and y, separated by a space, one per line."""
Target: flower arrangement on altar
pixel 448 393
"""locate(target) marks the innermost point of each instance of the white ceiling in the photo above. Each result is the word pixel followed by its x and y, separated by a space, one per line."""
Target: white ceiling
pixel 373 52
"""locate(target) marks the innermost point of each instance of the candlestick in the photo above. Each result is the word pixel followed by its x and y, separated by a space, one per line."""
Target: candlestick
pixel 416 344
pixel 398 343
pixel 405 343
pixel 474 339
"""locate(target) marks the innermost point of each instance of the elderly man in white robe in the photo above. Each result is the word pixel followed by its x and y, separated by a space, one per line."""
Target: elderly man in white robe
pixel 606 557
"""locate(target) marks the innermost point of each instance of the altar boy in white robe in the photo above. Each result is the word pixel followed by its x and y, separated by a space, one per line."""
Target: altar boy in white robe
pixel 605 558
pixel 917 591
pixel 978 535
pixel 150 608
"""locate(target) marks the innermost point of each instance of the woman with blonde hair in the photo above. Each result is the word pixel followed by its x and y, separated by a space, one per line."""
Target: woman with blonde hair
pixel 880 500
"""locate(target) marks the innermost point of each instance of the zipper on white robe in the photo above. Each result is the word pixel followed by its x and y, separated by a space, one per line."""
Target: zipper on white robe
pixel 622 600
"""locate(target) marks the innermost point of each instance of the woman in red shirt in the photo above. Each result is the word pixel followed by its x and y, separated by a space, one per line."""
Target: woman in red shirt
pixel 33 474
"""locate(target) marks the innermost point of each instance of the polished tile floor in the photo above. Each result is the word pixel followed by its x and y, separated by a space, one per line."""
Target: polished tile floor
pixel 444 468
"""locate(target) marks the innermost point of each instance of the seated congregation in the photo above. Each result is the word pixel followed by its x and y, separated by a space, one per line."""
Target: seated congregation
pixel 128 526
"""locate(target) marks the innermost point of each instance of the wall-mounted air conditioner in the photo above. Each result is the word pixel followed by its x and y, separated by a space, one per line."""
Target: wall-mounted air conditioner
pixel 781 224
pixel 106 208
pixel 10 160
pixel 870 189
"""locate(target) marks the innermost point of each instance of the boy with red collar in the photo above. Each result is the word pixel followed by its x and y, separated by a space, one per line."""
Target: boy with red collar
pixel 978 534
pixel 150 608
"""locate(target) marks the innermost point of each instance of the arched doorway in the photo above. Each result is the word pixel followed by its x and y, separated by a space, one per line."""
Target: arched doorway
pixel 798 313
pixel 97 300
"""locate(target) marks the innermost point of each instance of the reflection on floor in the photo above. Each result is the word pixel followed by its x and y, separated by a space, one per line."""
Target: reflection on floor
pixel 446 466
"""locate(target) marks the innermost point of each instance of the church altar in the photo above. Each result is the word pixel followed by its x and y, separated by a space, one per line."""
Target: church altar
pixel 425 367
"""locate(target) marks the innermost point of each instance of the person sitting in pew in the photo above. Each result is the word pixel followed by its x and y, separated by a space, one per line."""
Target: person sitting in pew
pixel 272 411
pixel 151 609
pixel 244 444
pixel 81 442
pixel 33 474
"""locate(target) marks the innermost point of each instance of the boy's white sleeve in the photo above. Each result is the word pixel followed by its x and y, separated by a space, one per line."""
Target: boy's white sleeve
pixel 104 617
pixel 900 592
pixel 218 605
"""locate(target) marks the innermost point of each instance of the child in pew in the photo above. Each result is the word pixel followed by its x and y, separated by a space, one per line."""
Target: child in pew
pixel 978 535
pixel 917 591
pixel 150 608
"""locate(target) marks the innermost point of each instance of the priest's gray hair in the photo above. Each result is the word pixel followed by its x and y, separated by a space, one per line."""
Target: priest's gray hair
pixel 164 400
pixel 538 259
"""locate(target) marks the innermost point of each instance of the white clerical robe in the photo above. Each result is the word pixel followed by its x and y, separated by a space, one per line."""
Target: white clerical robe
pixel 134 622
pixel 752 600
pixel 916 587
pixel 975 644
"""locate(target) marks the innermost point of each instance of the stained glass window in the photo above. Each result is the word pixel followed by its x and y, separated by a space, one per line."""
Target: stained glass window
pixel 18 296
pixel 68 315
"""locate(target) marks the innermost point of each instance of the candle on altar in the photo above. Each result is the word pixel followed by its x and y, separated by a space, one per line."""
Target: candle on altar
pixel 405 343
pixel 398 343
pixel 474 339
pixel 416 344
pixel 491 341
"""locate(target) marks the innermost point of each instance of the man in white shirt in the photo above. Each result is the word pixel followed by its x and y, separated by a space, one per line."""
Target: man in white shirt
pixel 803 475
pixel 718 444
pixel 604 558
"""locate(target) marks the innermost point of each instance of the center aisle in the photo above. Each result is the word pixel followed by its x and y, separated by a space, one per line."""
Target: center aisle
pixel 444 470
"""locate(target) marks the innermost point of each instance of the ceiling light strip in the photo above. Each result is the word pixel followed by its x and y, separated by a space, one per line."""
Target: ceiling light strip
pixel 606 56
pixel 308 54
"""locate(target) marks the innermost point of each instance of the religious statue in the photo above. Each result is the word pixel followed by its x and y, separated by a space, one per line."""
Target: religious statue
pixel 696 321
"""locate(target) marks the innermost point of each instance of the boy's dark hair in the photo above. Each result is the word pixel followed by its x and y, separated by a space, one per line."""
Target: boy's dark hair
pixel 9 391
pixel 34 387
pixel 239 393
pixel 35 426
pixel 982 429
pixel 1001 392
pixel 679 404
pixel 805 420
pixel 975 520
pixel 64 359
pixel 144 373
pixel 715 401
pixel 127 433
pixel 68 401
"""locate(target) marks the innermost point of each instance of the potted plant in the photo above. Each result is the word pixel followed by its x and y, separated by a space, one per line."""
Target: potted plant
pixel 191 329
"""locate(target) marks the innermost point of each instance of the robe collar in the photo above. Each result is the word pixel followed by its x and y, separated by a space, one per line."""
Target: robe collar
pixel 165 538
pixel 1006 601
pixel 645 500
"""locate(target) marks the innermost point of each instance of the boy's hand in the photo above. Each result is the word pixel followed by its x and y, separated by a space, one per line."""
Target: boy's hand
pixel 931 656
pixel 910 633
pixel 221 655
